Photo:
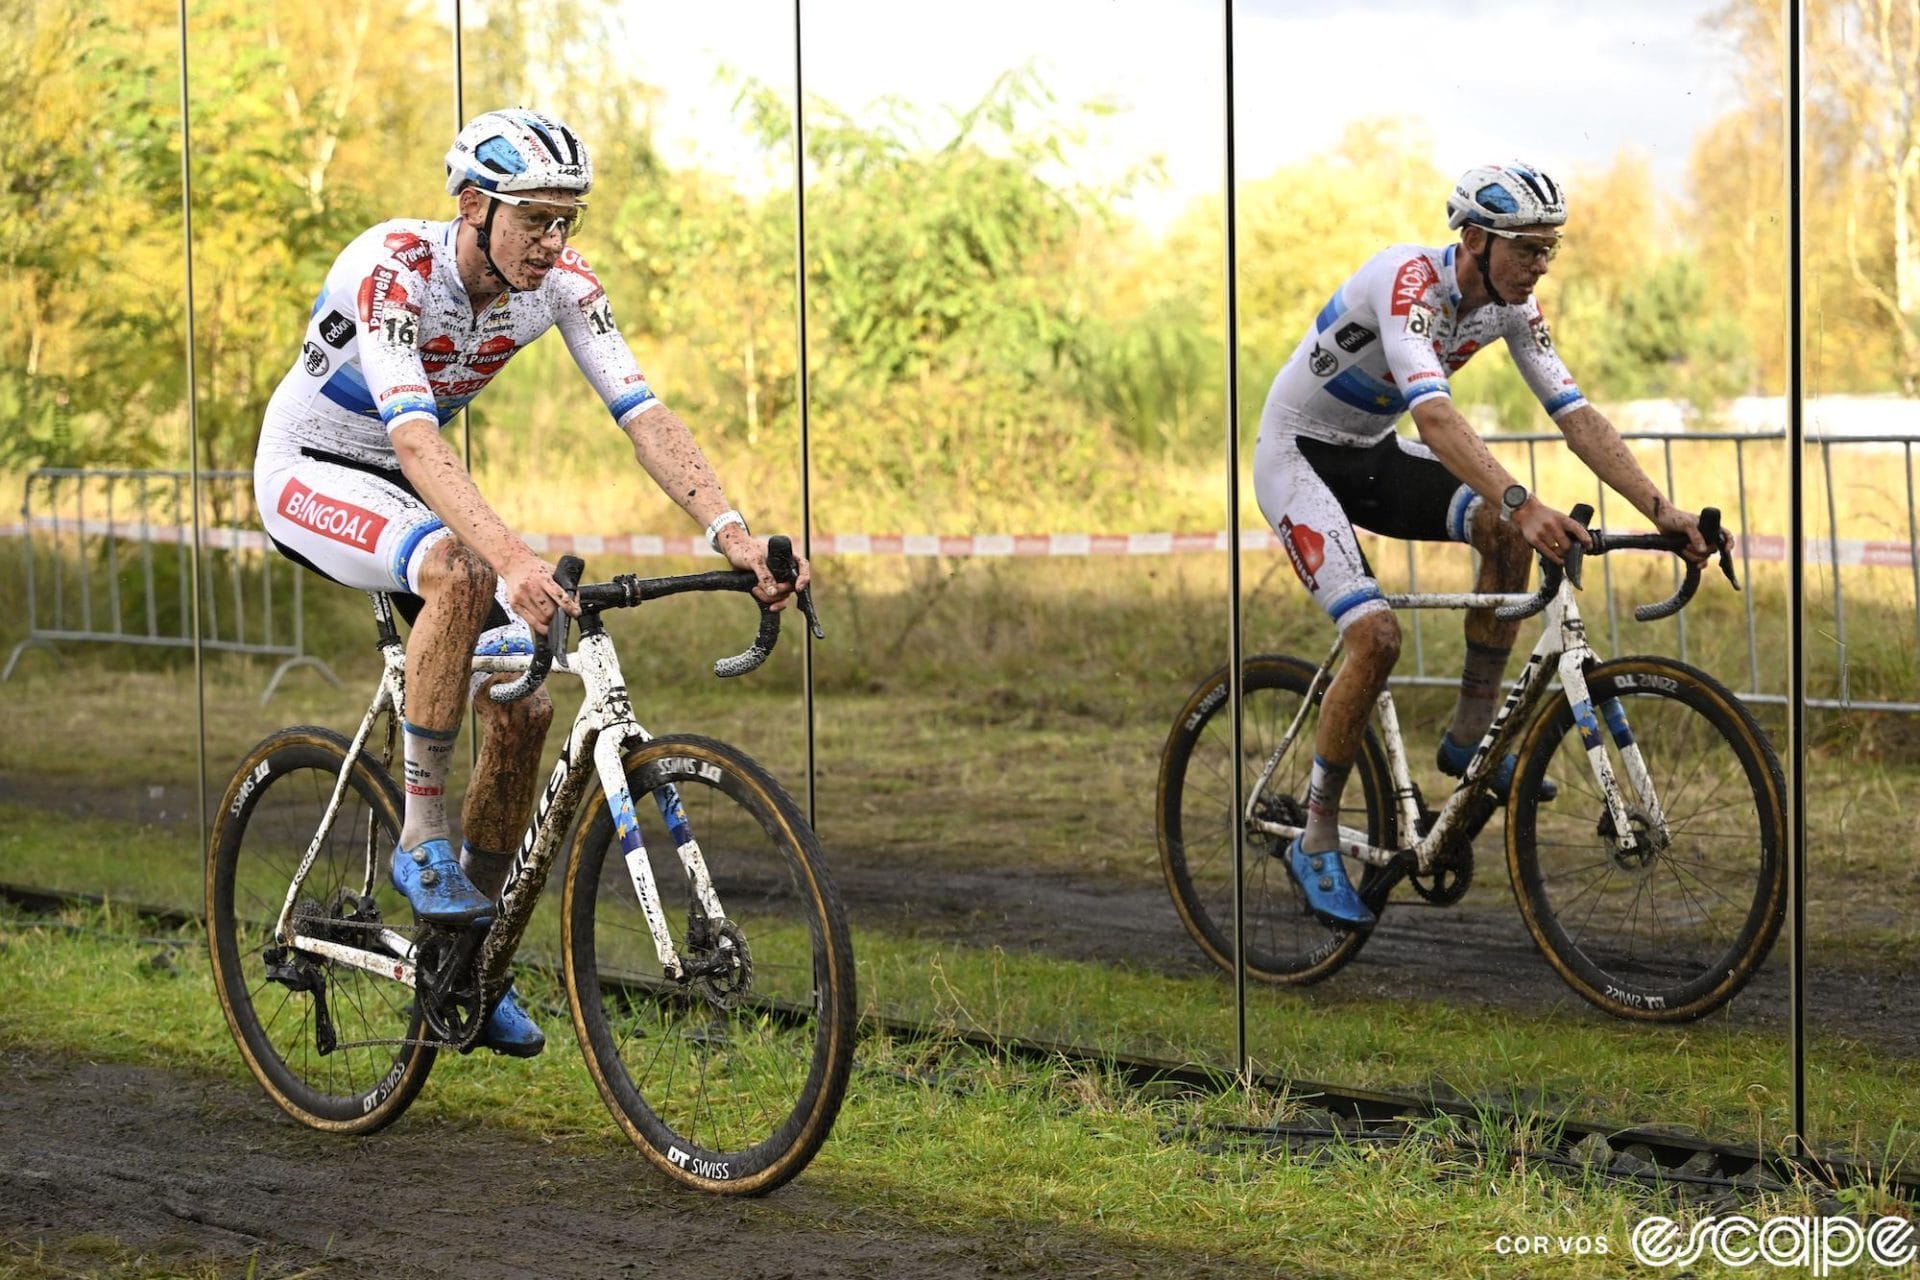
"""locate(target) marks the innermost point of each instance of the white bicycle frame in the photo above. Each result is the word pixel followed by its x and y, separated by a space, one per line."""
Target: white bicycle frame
pixel 596 743
pixel 1563 647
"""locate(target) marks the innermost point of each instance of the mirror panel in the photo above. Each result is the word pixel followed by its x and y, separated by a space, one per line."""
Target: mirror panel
pixel 1015 260
pixel 1674 212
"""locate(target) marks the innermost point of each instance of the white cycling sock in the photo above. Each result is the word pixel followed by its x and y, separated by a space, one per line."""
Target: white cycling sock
pixel 427 753
pixel 1323 805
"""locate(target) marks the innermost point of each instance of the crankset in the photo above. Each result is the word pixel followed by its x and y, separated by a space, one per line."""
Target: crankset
pixel 1452 873
pixel 446 985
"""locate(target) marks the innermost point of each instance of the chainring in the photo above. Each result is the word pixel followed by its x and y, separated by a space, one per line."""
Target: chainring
pixel 1453 872
pixel 446 986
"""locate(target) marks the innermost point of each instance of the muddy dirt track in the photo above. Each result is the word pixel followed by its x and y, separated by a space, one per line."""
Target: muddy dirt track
pixel 193 1172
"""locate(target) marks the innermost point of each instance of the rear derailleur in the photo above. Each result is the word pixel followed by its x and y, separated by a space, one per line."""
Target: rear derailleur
pixel 345 923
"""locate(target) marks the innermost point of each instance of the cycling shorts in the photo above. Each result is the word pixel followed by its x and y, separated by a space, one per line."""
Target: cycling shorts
pixel 1314 493
pixel 364 526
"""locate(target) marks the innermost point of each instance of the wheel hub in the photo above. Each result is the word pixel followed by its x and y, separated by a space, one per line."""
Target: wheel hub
pixel 1645 848
pixel 1281 810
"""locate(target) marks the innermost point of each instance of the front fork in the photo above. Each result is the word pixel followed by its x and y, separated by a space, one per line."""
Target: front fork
pixel 607 752
pixel 1653 828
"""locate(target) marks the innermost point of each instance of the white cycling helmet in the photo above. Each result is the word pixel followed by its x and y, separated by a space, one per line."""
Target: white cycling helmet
pixel 1503 196
pixel 515 149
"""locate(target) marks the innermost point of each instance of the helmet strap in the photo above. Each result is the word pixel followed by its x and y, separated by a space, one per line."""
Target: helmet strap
pixel 1484 260
pixel 483 236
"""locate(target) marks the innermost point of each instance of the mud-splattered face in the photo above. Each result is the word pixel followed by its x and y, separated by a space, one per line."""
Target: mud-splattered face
pixel 529 230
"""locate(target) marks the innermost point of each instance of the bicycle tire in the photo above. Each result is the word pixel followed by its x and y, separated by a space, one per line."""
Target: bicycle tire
pixel 1195 824
pixel 266 820
pixel 737 1099
pixel 1719 784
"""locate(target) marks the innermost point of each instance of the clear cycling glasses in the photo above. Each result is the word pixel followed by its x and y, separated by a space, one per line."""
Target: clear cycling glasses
pixel 541 218
pixel 1531 246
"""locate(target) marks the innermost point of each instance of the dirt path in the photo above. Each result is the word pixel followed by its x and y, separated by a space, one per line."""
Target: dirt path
pixel 198 1172
pixel 1475 954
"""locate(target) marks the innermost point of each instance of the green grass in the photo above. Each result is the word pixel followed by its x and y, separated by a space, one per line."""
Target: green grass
pixel 980 714
pixel 1706 1078
pixel 933 1138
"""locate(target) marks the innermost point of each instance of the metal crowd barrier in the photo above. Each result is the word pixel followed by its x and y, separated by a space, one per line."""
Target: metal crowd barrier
pixel 107 561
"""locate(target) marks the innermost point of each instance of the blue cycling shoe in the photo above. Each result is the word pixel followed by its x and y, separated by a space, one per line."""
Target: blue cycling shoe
pixel 510 1031
pixel 1453 759
pixel 435 886
pixel 1330 895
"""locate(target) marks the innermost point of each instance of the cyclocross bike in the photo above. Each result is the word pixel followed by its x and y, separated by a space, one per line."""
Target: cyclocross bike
pixel 1655 898
pixel 704 949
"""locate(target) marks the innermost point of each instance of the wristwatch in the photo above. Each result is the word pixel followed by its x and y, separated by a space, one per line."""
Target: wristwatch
pixel 1514 498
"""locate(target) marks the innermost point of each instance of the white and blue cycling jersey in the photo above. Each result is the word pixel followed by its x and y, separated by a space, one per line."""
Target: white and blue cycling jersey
pixel 1328 458
pixel 1389 338
pixel 393 338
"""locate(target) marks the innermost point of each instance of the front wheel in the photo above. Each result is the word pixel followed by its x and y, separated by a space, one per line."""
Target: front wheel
pixel 728 1082
pixel 336 1047
pixel 1674 929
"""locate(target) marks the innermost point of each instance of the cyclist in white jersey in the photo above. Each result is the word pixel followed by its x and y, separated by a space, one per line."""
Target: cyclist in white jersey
pixel 354 481
pixel 1328 458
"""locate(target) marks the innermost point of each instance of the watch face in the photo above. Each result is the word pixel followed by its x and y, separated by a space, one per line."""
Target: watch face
pixel 1514 498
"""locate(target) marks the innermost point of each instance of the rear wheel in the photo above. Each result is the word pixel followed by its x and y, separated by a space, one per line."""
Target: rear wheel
pixel 728 1082
pixel 1674 929
pixel 1196 822
pixel 324 1039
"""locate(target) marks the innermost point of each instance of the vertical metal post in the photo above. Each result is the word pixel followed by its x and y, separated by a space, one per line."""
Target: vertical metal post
pixel 1419 639
pixel 1243 1063
pixel 1833 568
pixel 1606 575
pixel 113 562
pixel 26 518
pixel 146 558
pixel 266 587
pixel 1913 546
pixel 1666 449
pixel 59 553
pixel 239 588
pixel 80 545
pixel 1746 567
pixel 59 557
pixel 466 415
pixel 193 431
pixel 1796 583
pixel 189 590
pixel 800 383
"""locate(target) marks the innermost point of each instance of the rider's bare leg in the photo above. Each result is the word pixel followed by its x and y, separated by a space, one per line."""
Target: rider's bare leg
pixel 1373 646
pixel 505 777
pixel 457 587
